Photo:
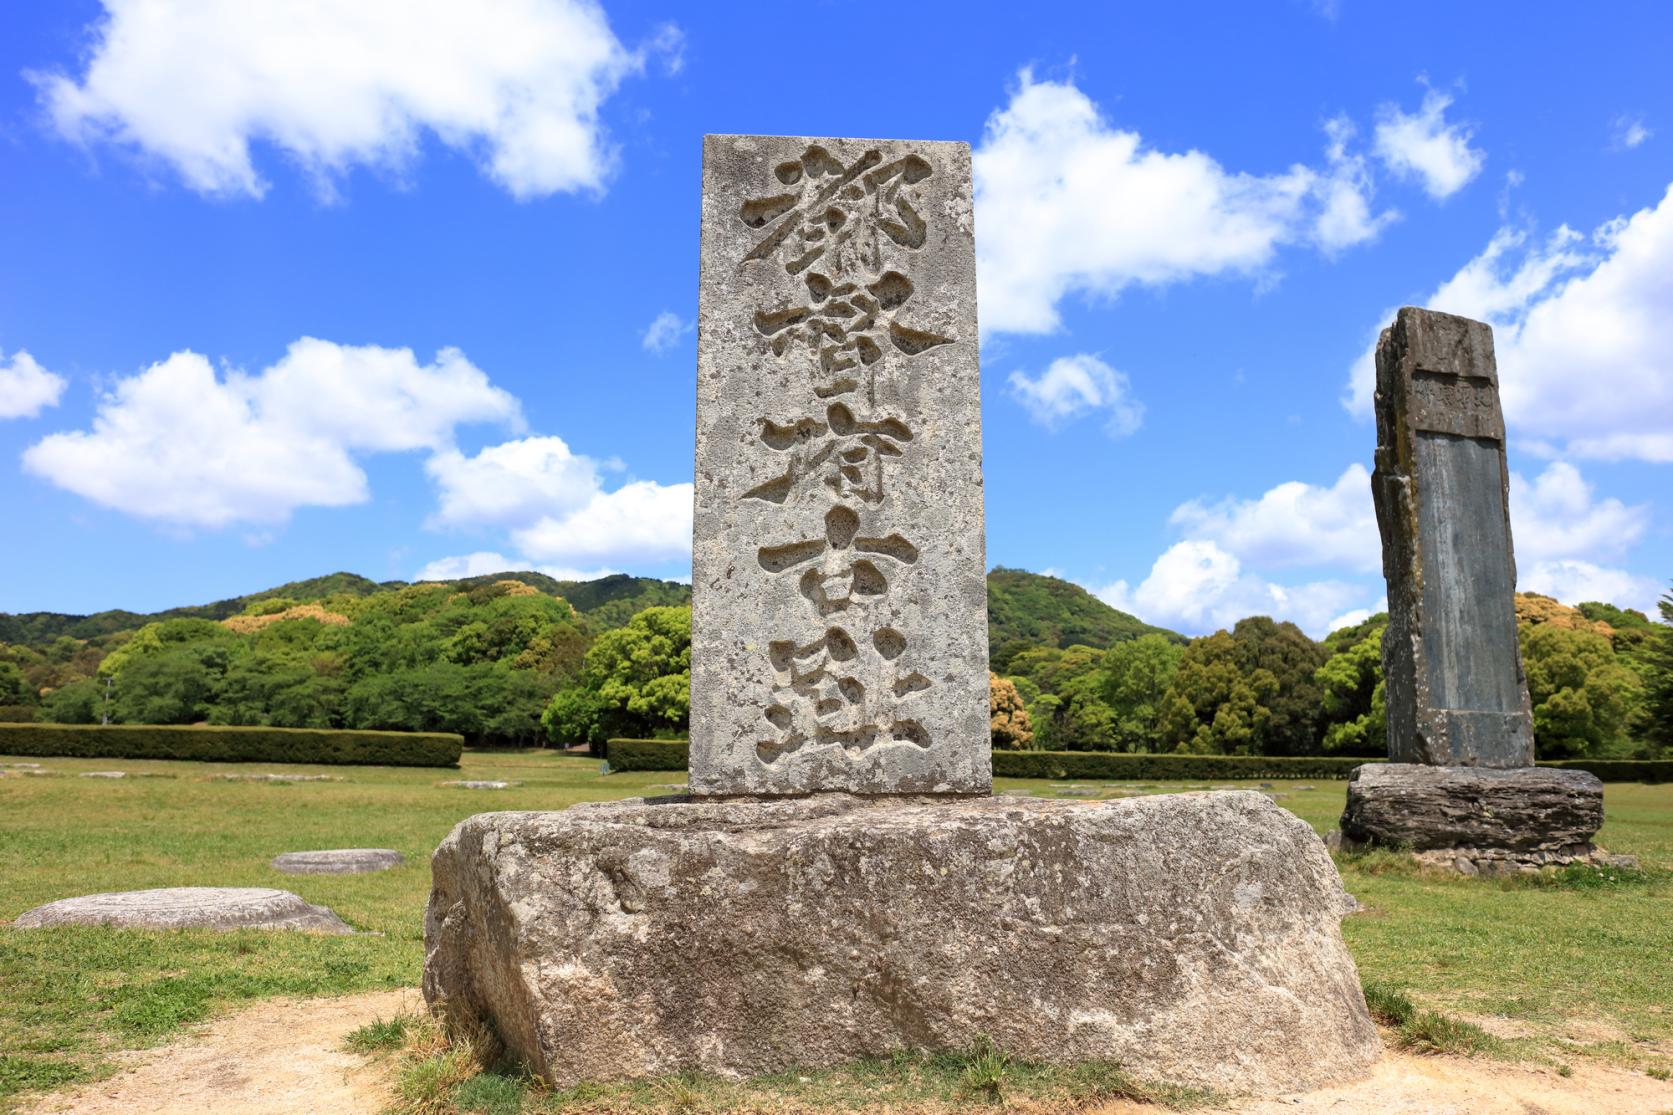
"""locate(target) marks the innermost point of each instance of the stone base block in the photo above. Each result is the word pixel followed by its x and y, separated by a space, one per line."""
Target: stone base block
pixel 1525 812
pixel 1191 937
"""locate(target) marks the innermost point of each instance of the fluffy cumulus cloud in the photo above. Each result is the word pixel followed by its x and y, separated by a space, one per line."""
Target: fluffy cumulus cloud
pixel 511 484
pixel 1196 587
pixel 554 508
pixel 1574 582
pixel 485 562
pixel 1068 203
pixel 1075 385
pixel 1425 146
pixel 664 333
pixel 184 444
pixel 26 388
pixel 1222 569
pixel 1556 515
pixel 1585 364
pixel 1293 524
pixel 194 84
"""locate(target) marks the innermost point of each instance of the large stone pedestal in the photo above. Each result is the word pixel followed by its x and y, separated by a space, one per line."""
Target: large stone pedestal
pixel 1477 819
pixel 1191 937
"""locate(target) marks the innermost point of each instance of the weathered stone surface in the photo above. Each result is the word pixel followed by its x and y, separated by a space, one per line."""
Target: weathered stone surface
pixel 1456 691
pixel 1192 937
pixel 1425 807
pixel 839 630
pixel 188 908
pixel 338 861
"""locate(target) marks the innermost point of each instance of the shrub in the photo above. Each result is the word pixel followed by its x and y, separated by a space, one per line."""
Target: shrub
pixel 647 754
pixel 232 745
pixel 19 714
pixel 1621 770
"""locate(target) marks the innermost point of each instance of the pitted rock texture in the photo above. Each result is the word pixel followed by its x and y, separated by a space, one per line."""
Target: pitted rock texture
pixel 188 908
pixel 1457 695
pixel 337 861
pixel 1534 809
pixel 839 599
pixel 1192 937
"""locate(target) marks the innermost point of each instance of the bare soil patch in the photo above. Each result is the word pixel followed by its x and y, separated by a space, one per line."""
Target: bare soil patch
pixel 286 1057
pixel 278 1057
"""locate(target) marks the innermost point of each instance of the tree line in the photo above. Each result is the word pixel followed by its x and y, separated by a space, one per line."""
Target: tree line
pixel 505 664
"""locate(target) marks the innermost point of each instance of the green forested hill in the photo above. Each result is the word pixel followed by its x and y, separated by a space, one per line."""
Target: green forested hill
pixel 1032 610
pixel 1024 609
pixel 605 603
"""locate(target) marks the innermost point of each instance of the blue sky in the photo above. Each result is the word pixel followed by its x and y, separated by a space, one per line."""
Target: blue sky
pixel 405 288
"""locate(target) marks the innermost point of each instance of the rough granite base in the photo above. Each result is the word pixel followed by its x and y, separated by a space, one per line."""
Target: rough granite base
pixel 1192 938
pixel 1477 820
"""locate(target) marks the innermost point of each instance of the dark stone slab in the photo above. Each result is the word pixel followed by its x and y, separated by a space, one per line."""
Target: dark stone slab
pixel 1426 807
pixel 1457 695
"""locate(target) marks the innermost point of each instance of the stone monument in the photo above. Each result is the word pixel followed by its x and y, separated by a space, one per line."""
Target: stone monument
pixel 1461 782
pixel 840 883
pixel 839 602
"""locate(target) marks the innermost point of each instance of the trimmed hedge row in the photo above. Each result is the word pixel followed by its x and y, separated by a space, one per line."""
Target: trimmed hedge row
pixel 1621 770
pixel 233 745
pixel 647 754
pixel 1130 766
pixel 665 754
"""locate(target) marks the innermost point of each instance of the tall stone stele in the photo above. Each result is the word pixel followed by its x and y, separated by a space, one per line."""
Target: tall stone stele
pixel 839 883
pixel 1461 774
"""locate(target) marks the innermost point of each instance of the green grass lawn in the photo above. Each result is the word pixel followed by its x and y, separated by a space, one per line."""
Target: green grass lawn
pixel 1581 968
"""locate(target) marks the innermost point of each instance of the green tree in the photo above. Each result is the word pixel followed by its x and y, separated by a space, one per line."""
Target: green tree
pixel 639 680
pixel 173 685
pixel 14 687
pixel 1295 710
pixel 1137 674
pixel 1214 705
pixel 1583 698
pixel 1353 695
pixel 1658 670
pixel 79 702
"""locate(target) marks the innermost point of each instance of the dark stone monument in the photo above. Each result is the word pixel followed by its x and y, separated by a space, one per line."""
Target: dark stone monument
pixel 1457 696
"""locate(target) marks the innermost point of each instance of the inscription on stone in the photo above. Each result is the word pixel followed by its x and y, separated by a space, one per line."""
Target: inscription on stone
pixel 1456 691
pixel 839 635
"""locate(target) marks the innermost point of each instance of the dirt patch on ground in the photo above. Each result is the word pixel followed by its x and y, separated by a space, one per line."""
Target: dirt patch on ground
pixel 1403 1083
pixel 278 1057
pixel 286 1057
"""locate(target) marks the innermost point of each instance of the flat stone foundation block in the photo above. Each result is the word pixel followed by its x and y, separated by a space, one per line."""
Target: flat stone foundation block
pixel 337 861
pixel 188 908
pixel 1193 938
pixel 1423 808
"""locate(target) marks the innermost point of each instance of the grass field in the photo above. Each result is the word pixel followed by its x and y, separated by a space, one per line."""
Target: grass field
pixel 1579 965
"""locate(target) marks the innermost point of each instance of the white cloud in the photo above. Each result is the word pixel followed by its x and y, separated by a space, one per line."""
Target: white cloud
pixel 1574 582
pixel 1294 523
pixel 511 484
pixel 1424 146
pixel 665 332
pixel 1196 587
pixel 1554 517
pixel 482 563
pixel 1628 131
pixel 180 444
pixel 1345 216
pixel 514 84
pixel 26 388
pixel 1073 385
pixel 552 504
pixel 1580 328
pixel 639 522
pixel 1068 203
pixel 1352 617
